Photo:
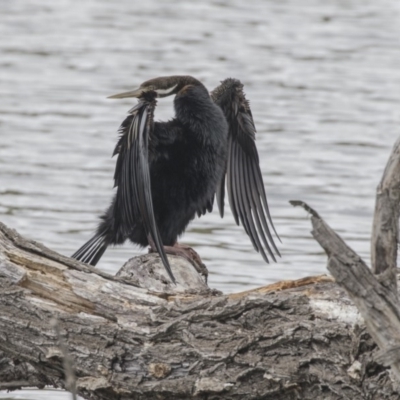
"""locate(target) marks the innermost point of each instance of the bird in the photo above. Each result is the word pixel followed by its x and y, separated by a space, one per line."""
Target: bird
pixel 168 172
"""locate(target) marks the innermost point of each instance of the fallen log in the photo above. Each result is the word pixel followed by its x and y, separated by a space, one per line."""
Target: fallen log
pixel 295 339
pixel 137 336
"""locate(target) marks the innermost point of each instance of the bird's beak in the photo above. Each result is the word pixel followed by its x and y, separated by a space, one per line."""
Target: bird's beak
pixel 132 93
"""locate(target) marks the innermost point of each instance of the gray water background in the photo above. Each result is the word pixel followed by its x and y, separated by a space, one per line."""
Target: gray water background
pixel 323 78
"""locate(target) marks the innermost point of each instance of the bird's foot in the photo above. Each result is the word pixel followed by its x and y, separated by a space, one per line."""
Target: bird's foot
pixel 189 254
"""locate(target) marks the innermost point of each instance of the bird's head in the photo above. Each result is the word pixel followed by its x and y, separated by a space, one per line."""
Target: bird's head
pixel 164 86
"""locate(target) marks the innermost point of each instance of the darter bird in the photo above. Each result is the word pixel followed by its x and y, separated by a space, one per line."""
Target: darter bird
pixel 167 172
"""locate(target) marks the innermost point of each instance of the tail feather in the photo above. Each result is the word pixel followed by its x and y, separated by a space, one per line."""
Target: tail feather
pixel 92 250
pixel 83 249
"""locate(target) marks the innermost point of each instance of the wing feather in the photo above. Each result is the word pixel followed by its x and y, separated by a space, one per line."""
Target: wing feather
pixel 257 207
pixel 255 204
pixel 229 183
pixel 245 214
pixel 243 178
pixel 134 198
pixel 220 195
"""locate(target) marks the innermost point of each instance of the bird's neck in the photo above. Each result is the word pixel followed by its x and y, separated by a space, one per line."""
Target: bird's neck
pixel 193 106
pixel 202 119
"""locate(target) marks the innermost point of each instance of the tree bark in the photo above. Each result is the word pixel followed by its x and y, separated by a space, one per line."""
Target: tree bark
pixel 292 340
pixel 385 231
pixel 137 336
pixel 377 303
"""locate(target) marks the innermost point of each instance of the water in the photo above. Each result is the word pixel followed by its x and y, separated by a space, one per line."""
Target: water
pixel 323 78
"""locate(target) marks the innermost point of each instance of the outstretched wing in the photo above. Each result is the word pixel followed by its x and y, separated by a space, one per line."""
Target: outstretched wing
pixel 132 174
pixel 245 186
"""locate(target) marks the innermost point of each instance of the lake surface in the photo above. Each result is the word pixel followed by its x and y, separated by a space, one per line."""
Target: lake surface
pixel 323 78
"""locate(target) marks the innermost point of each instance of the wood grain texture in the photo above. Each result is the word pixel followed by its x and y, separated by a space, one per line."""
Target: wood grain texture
pixel 292 340
pixel 385 231
pixel 376 302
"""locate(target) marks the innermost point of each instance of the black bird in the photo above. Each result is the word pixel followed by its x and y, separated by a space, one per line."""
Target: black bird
pixel 167 172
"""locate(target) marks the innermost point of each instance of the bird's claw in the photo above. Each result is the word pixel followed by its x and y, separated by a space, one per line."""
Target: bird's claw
pixel 187 253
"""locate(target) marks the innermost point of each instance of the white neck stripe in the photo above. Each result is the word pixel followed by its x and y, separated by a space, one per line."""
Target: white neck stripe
pixel 166 91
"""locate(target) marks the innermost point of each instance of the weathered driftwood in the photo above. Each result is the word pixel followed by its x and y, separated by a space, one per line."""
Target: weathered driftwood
pixel 377 304
pixel 137 336
pixel 385 232
pixel 292 340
